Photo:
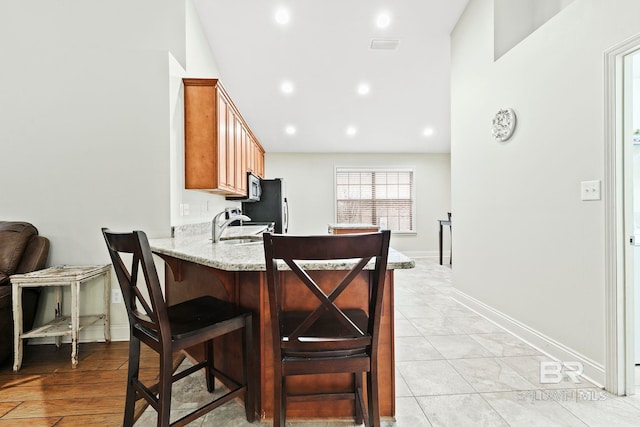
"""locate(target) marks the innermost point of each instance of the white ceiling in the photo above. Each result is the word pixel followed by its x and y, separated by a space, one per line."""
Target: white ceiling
pixel 325 52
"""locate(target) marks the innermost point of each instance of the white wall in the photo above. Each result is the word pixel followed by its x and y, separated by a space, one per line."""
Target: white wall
pixel 85 139
pixel 526 245
pixel 91 134
pixel 514 20
pixel 201 63
pixel 310 187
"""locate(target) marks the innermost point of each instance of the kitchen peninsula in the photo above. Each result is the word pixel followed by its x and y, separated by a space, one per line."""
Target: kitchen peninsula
pixel 234 270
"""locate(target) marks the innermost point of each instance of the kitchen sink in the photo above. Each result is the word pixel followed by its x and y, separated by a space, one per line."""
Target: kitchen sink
pixel 244 241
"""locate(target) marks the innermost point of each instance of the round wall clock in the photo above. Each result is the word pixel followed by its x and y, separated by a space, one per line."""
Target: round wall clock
pixel 503 125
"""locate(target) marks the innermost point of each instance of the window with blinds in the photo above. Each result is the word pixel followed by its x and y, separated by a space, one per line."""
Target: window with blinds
pixel 380 197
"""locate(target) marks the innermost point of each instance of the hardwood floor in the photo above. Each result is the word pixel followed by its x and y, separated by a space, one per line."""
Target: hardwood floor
pixel 48 392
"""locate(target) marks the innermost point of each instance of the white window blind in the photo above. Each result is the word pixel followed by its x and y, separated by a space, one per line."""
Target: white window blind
pixel 379 197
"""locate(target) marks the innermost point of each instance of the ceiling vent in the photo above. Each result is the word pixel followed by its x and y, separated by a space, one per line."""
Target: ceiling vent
pixel 384 44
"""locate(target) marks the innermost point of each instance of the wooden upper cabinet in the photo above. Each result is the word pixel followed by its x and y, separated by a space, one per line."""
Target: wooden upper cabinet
pixel 219 146
pixel 256 152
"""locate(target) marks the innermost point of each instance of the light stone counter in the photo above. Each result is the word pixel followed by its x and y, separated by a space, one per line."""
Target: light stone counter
pixel 244 257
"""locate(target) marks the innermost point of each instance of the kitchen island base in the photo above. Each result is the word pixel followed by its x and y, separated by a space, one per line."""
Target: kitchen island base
pixel 186 280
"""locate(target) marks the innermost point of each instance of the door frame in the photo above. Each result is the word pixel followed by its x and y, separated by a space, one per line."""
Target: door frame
pixel 618 306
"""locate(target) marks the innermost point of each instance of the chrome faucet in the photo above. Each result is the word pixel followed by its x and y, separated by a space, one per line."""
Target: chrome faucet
pixel 216 230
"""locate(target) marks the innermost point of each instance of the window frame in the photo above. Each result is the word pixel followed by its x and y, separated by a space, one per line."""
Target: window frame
pixel 386 169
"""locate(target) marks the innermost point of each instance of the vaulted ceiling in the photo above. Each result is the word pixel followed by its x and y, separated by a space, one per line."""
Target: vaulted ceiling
pixel 337 75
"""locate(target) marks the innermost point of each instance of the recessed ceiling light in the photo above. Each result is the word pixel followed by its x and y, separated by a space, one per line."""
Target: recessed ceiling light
pixel 286 87
pixel 363 88
pixel 383 20
pixel 352 130
pixel 282 16
pixel 290 130
pixel 427 132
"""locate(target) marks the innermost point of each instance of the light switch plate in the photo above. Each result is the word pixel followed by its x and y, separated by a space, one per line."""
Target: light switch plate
pixel 590 190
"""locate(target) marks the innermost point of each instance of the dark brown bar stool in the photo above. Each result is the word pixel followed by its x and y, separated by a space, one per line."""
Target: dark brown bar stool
pixel 169 329
pixel 329 339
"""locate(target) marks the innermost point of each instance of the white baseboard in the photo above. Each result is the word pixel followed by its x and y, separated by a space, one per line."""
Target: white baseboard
pixel 93 333
pixel 593 371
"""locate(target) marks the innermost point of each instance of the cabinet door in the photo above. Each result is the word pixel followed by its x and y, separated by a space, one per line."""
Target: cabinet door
pixel 251 153
pixel 259 161
pixel 231 149
pixel 240 165
pixel 221 160
pixel 201 135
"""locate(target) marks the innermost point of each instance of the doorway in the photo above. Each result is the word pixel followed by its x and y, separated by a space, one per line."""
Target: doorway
pixel 622 215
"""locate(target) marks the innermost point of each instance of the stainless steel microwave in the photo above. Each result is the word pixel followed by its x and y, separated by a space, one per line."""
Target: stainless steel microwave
pixel 254 190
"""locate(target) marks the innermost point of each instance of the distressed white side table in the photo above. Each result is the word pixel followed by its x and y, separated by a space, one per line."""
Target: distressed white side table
pixel 61 325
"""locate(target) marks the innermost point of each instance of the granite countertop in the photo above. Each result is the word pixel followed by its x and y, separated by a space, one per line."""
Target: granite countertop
pixel 247 256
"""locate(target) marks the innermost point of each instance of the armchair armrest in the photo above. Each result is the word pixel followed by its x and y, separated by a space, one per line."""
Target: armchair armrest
pixel 35 255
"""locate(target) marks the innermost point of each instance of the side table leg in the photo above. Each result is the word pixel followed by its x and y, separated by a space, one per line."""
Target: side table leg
pixel 16 293
pixel 107 306
pixel 440 241
pixel 75 323
pixel 58 310
pixel 450 245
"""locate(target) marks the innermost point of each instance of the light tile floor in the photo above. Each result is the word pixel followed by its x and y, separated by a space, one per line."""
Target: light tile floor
pixel 455 368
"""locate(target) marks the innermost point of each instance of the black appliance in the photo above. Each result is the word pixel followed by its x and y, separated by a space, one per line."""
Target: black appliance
pixel 272 206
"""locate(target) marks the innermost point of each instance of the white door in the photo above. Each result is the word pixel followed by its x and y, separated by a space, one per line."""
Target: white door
pixel 631 132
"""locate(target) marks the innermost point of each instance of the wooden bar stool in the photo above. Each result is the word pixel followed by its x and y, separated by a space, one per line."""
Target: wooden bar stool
pixel 169 329
pixel 331 338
